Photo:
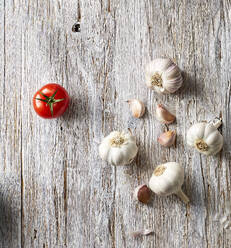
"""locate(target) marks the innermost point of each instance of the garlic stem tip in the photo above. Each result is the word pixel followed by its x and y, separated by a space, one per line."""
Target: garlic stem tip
pixel 217 122
pixel 183 196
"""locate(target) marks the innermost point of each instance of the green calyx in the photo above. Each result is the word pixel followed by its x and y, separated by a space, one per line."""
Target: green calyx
pixel 50 100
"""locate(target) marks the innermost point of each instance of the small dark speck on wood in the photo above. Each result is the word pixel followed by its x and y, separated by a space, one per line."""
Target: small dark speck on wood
pixel 76 27
pixel 35 233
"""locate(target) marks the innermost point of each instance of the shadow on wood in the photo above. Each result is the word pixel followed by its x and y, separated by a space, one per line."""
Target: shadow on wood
pixel 10 214
pixel 189 86
pixel 77 109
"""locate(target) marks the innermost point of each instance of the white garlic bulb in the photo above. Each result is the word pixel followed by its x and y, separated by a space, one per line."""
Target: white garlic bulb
pixel 163 76
pixel 118 148
pixel 137 107
pixel 167 179
pixel 205 137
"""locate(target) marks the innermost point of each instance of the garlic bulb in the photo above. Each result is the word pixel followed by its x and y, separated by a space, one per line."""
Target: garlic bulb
pixel 205 137
pixel 163 115
pixel 118 148
pixel 142 193
pixel 167 179
pixel 137 107
pixel 163 76
pixel 167 139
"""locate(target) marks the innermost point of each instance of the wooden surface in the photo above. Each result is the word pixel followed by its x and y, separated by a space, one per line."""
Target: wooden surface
pixel 54 189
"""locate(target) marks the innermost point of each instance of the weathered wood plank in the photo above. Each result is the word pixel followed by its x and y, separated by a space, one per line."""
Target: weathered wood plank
pixel 44 142
pixel 10 122
pixel 91 196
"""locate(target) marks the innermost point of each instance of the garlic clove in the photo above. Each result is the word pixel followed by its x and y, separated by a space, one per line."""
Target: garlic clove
pixel 167 139
pixel 142 193
pixel 137 107
pixel 163 115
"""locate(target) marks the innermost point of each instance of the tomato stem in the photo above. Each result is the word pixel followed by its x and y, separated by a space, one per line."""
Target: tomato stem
pixel 50 100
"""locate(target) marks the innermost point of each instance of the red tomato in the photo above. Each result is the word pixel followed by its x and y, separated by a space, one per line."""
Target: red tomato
pixel 51 101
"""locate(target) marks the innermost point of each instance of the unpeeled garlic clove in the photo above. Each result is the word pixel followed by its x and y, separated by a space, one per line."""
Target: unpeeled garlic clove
pixel 137 107
pixel 163 115
pixel 142 193
pixel 167 139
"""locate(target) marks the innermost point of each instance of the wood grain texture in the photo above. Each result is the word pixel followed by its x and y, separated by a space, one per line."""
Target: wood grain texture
pixel 11 126
pixel 54 189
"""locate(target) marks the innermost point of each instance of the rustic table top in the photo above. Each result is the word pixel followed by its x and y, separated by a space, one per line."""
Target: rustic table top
pixel 54 189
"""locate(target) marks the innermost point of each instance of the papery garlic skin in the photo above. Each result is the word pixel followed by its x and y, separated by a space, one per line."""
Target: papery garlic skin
pixel 163 115
pixel 118 148
pixel 137 107
pixel 167 179
pixel 144 232
pixel 163 76
pixel 205 138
